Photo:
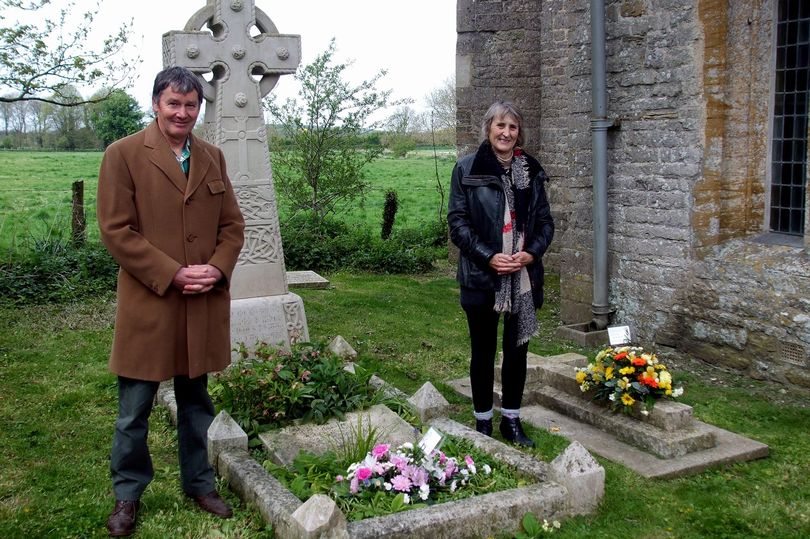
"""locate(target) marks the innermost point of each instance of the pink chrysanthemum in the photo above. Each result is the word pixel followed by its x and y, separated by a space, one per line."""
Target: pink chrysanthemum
pixel 380 450
pixel 401 483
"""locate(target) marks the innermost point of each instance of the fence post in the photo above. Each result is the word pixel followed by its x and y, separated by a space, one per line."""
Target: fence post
pixel 78 221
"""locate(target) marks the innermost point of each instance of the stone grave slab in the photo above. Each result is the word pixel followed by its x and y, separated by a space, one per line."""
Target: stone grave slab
pixel 284 444
pixel 667 443
pixel 306 279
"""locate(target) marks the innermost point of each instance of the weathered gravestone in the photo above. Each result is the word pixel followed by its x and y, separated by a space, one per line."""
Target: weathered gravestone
pixel 245 68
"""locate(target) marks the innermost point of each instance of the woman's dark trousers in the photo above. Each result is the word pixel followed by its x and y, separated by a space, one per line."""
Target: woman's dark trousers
pixel 483 324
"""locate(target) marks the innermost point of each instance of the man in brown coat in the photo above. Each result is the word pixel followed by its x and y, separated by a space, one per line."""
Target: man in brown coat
pixel 168 215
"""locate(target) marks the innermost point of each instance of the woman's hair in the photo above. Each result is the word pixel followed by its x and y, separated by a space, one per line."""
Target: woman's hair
pixel 179 79
pixel 498 109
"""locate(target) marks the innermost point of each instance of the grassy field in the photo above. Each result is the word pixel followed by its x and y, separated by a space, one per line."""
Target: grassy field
pixel 58 402
pixel 35 192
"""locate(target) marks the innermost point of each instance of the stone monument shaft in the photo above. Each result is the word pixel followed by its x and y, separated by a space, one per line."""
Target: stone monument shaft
pixel 245 55
pixel 245 68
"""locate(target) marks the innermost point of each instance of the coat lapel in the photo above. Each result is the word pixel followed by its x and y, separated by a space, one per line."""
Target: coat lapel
pixel 162 156
pixel 200 163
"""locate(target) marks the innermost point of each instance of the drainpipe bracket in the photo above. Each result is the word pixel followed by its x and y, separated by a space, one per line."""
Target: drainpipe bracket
pixel 604 124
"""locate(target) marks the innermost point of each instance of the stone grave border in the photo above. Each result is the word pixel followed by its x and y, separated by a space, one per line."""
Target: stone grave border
pixel 572 484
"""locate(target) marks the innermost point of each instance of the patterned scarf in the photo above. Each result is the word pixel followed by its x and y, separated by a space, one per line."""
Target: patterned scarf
pixel 514 293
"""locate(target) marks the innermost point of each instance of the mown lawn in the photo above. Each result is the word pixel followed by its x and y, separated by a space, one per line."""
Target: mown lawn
pixel 58 402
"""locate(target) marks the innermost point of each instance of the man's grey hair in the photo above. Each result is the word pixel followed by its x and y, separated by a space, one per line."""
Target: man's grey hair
pixel 498 109
pixel 179 79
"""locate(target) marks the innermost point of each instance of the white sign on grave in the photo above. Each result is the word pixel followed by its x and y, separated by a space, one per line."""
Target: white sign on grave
pixel 243 51
pixel 619 335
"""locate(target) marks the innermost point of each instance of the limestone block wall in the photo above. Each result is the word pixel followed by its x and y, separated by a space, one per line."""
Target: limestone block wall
pixel 690 83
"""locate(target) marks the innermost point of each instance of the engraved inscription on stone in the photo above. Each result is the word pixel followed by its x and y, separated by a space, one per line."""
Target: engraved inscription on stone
pixel 256 320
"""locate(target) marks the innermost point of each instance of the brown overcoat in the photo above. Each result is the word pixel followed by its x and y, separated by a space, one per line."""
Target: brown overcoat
pixel 153 221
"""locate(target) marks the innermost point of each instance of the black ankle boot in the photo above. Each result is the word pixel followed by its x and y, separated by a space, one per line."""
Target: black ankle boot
pixel 512 431
pixel 484 426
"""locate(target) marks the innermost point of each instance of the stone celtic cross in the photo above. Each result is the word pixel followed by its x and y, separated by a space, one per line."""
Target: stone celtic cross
pixel 245 68
pixel 245 55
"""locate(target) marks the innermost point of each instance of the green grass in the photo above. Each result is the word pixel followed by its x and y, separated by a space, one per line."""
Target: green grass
pixel 58 405
pixel 35 192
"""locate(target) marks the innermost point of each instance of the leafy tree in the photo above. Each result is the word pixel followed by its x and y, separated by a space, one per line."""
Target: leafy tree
pixel 320 155
pixel 117 116
pixel 39 60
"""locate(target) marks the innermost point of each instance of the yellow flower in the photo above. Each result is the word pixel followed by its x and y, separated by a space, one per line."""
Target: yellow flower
pixel 581 377
pixel 668 391
pixel 664 378
pixel 627 370
pixel 651 371
pixel 623 383
pixel 609 373
pixel 660 366
pixel 627 400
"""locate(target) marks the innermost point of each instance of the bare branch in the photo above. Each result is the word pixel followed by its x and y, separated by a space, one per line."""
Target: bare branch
pixel 36 60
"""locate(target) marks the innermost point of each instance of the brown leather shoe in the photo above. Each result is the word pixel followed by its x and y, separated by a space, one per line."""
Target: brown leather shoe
pixel 121 522
pixel 213 503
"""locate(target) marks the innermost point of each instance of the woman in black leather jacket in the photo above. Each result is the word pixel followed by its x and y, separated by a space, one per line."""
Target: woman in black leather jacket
pixel 500 220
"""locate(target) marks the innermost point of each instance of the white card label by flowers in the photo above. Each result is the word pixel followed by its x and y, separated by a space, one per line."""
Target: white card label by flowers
pixel 619 335
pixel 430 440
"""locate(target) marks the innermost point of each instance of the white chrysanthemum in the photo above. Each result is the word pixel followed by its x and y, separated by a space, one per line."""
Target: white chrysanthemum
pixel 487 469
pixel 424 491
pixel 677 392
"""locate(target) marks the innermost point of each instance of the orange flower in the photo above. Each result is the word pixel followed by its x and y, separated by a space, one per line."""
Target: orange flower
pixel 638 361
pixel 619 357
pixel 648 380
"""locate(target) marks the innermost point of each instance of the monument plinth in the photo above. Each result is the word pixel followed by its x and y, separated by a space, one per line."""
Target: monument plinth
pixel 245 66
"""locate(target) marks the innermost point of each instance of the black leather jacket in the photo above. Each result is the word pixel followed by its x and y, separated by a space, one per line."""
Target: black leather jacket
pixel 475 218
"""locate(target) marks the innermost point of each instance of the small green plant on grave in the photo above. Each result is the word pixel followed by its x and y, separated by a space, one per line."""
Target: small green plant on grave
pixel 388 480
pixel 273 387
pixel 533 528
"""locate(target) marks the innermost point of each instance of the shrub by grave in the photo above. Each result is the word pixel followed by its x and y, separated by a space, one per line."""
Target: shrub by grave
pixel 273 387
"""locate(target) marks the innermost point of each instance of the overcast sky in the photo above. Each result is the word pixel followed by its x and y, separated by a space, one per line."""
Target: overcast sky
pixel 414 40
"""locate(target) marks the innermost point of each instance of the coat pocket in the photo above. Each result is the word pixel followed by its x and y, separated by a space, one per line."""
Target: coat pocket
pixel 216 187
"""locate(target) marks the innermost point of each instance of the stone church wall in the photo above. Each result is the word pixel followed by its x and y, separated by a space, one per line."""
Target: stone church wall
pixel 689 83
